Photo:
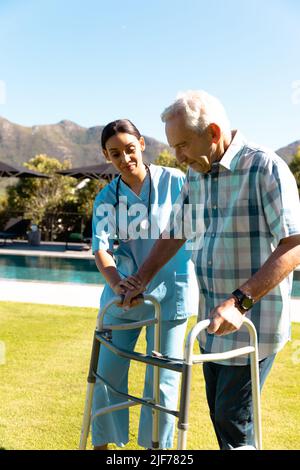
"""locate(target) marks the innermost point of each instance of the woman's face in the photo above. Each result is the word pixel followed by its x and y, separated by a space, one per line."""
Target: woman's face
pixel 125 153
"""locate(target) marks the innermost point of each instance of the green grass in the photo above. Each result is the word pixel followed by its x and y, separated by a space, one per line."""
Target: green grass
pixel 43 382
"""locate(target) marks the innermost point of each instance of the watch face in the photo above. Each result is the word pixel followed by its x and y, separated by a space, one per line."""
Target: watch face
pixel 247 303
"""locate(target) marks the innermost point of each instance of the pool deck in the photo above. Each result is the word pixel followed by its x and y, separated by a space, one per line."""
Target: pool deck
pixel 69 294
pixel 55 249
pixel 51 293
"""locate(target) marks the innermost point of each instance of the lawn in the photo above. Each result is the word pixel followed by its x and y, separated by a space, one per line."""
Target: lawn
pixel 43 382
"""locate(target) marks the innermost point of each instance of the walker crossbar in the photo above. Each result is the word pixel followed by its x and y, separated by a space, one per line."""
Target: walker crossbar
pixel 142 401
pixel 163 362
pixel 118 407
pixel 200 358
pixel 130 326
pixel 184 367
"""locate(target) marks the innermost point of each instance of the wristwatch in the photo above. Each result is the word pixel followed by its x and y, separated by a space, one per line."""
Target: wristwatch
pixel 244 301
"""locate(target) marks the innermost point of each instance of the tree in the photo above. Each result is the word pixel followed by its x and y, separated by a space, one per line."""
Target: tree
pixel 3 211
pixel 295 167
pixel 165 158
pixel 41 199
pixel 86 196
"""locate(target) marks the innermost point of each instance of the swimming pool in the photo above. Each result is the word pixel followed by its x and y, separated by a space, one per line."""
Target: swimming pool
pixel 74 270
pixel 52 269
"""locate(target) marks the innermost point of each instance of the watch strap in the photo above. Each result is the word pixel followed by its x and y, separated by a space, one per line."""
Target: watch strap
pixel 244 301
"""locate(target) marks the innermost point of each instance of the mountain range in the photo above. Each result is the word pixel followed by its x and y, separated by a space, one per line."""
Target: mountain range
pixel 66 140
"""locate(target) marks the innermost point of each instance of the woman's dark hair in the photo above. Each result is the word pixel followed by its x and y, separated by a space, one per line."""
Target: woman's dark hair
pixel 115 127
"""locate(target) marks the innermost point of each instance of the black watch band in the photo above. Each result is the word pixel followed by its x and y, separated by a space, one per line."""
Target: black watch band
pixel 244 301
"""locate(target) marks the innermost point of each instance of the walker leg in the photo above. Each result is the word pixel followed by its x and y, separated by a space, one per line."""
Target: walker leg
pixel 86 416
pixel 89 394
pixel 156 391
pixel 182 439
pixel 155 413
pixel 256 399
pixel 184 406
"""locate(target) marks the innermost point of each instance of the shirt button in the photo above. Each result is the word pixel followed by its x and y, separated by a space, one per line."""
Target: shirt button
pixel 209 263
pixel 214 207
pixel 213 234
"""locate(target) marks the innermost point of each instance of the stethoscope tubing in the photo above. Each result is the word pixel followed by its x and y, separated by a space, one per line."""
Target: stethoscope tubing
pixel 149 194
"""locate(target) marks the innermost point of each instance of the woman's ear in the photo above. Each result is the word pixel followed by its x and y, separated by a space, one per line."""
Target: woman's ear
pixel 142 143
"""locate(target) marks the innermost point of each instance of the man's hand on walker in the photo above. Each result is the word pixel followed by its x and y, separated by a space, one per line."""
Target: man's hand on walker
pixel 130 298
pixel 132 287
pixel 225 318
pixel 129 283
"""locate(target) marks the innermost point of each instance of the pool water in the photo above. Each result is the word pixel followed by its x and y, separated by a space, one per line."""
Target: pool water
pixel 83 271
pixel 43 268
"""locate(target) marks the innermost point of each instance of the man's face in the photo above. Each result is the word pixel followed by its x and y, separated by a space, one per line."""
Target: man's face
pixel 190 147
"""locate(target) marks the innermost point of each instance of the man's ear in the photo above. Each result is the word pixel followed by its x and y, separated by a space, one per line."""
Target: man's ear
pixel 215 132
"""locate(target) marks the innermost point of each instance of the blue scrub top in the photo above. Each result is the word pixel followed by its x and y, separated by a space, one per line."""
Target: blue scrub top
pixel 171 286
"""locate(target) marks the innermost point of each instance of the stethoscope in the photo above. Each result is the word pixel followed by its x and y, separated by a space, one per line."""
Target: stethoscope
pixel 144 224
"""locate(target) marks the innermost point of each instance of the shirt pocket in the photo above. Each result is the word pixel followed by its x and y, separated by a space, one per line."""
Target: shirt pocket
pixel 182 293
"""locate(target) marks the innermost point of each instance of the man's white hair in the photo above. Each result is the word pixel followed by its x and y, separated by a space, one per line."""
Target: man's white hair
pixel 200 109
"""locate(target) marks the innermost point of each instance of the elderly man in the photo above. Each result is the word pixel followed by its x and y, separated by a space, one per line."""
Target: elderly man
pixel 248 246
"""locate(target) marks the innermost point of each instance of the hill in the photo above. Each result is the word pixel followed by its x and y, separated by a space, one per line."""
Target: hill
pixel 289 151
pixel 68 140
pixel 64 140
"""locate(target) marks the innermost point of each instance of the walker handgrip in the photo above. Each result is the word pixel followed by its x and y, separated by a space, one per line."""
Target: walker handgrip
pixel 122 297
pixel 118 300
pixel 204 324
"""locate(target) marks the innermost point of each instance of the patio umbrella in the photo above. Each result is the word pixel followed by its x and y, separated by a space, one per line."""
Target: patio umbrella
pixel 7 171
pixel 98 171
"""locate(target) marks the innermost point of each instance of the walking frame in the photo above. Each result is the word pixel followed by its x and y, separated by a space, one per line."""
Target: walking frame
pixel 103 337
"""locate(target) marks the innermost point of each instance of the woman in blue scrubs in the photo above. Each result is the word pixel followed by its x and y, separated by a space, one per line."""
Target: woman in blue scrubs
pixel 133 210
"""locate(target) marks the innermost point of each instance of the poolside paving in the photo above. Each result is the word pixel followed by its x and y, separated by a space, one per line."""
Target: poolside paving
pixel 75 295
pixel 57 249
pixel 52 293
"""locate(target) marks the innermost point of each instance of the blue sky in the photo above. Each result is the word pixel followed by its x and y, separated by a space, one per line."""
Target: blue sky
pixel 93 61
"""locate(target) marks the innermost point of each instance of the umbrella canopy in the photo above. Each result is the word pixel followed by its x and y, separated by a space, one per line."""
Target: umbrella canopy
pixel 9 170
pixel 99 171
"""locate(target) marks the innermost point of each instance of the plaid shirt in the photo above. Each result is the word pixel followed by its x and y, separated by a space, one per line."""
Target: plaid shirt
pixel 248 202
